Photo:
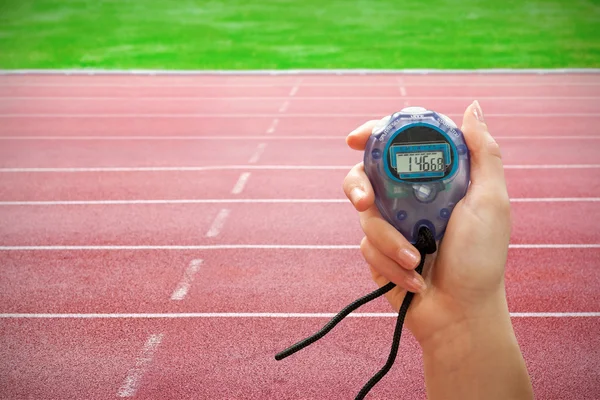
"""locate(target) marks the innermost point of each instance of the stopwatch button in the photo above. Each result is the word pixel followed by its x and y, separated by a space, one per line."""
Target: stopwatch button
pixel 444 213
pixel 414 110
pixel 424 193
pixel 376 154
pixel 448 120
pixel 379 126
pixel 462 149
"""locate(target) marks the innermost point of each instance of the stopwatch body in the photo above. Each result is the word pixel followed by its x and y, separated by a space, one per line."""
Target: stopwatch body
pixel 418 163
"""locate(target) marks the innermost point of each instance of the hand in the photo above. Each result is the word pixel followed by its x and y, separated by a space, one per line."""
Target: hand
pixel 464 281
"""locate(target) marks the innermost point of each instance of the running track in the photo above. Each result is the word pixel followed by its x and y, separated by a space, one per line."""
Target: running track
pixel 162 237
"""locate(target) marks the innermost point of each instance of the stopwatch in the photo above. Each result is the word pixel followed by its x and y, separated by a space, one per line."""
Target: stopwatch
pixel 418 163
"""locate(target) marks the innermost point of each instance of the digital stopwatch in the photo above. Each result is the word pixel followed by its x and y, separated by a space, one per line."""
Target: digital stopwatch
pixel 418 164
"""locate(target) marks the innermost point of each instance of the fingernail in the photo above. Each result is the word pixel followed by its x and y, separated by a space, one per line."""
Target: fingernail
pixel 478 112
pixel 408 258
pixel 416 283
pixel 356 194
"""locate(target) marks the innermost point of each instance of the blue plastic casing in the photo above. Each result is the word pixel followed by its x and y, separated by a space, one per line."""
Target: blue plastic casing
pixel 410 200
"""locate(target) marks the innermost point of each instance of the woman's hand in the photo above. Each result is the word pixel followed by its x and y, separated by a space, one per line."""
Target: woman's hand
pixel 459 316
pixel 465 279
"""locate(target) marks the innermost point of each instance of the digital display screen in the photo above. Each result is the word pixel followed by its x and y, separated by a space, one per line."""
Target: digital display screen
pixel 427 161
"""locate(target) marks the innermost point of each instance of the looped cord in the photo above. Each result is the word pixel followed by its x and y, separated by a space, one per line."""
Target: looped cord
pixel 426 245
pixel 425 242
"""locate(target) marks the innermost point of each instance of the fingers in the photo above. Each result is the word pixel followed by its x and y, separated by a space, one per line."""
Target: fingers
pixel 388 240
pixel 358 188
pixel 388 268
pixel 357 139
pixel 487 171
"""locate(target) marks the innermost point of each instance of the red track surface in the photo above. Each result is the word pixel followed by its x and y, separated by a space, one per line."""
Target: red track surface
pixel 157 145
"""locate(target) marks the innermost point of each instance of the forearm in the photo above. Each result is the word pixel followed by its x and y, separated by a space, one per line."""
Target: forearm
pixel 477 359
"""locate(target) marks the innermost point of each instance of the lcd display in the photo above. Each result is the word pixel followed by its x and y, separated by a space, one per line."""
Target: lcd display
pixel 420 162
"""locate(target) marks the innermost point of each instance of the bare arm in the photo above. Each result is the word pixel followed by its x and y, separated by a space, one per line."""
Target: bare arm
pixel 478 358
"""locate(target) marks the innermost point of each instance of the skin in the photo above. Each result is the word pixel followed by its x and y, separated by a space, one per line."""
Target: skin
pixel 459 316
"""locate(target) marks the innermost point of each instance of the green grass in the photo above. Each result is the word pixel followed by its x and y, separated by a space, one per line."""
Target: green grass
pixel 279 34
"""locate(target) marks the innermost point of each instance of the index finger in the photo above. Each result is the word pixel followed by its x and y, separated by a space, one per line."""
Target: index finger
pixel 387 239
pixel 357 139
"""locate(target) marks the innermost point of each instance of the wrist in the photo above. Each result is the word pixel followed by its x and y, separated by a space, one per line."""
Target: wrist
pixel 476 357
pixel 471 327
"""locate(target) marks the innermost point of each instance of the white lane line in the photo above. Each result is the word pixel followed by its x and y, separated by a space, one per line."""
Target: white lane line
pixel 549 97
pixel 554 246
pixel 257 153
pixel 554 199
pixel 591 314
pixel 552 166
pixel 254 167
pixel 309 84
pixel 284 106
pixel 270 115
pixel 402 87
pixel 142 363
pixel 218 223
pixel 544 137
pixel 296 87
pixel 239 187
pixel 272 127
pixel 188 277
pixel 255 247
pixel 487 72
pixel 241 183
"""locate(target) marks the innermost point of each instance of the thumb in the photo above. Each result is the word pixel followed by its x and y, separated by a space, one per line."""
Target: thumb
pixel 487 171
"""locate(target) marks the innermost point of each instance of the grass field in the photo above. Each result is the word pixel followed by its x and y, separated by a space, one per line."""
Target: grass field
pixel 278 34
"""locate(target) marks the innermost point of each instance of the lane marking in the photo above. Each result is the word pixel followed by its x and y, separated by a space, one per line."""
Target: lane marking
pixel 218 223
pixel 142 363
pixel 553 166
pixel 402 88
pixel 269 115
pixel 284 106
pixel 476 83
pixel 554 199
pixel 241 183
pixel 549 97
pixel 293 91
pixel 272 127
pixel 257 153
pixel 98 72
pixel 592 314
pixel 239 187
pixel 554 246
pixel 255 247
pixel 254 167
pixel 188 277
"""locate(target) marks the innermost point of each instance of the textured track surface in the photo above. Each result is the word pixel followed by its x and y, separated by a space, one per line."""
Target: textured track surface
pixel 165 236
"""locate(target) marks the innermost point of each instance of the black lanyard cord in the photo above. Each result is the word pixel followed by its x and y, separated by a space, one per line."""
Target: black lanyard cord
pixel 334 321
pixel 426 245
